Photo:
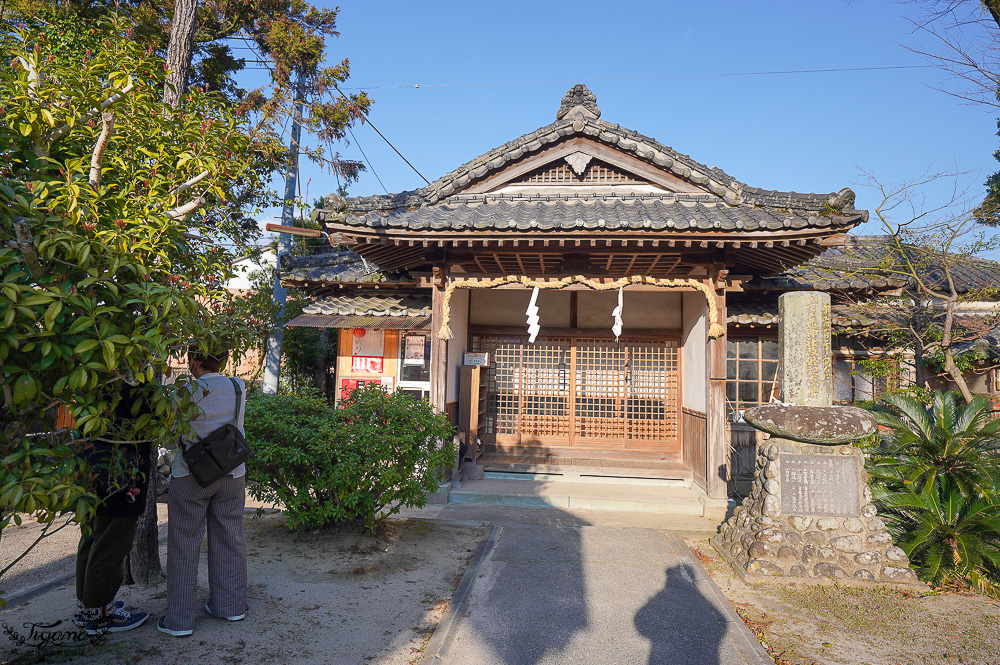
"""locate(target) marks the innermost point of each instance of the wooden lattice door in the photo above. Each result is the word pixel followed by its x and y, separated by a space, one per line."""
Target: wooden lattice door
pixel 582 392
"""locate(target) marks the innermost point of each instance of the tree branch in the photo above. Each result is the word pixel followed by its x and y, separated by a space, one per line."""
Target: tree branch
pixel 42 535
pixel 97 158
pixel 26 243
pixel 190 183
pixel 89 115
pixel 183 211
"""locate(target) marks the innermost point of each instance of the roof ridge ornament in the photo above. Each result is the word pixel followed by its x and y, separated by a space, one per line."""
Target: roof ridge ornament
pixel 578 102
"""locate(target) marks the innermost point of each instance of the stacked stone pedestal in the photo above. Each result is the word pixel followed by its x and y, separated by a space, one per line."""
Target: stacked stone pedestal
pixel 809 515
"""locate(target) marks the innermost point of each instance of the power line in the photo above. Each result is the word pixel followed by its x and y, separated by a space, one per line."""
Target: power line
pixel 648 78
pixel 386 140
pixel 367 160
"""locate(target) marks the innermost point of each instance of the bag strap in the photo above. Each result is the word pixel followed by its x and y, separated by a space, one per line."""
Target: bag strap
pixel 239 394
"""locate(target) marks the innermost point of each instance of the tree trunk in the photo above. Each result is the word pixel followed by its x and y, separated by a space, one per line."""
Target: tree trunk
pixel 920 375
pixel 180 51
pixel 143 562
pixel 956 375
pixel 993 6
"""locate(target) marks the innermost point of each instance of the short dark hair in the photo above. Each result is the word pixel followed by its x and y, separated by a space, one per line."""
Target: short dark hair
pixel 212 362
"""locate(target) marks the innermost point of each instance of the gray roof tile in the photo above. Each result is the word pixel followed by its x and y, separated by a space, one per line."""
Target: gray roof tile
pixel 388 305
pixel 855 265
pixel 643 147
pixel 701 212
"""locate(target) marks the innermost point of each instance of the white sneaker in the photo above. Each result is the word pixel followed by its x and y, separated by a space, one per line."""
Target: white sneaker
pixel 170 631
pixel 238 617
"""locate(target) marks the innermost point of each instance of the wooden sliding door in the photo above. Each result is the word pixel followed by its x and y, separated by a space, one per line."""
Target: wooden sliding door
pixel 582 392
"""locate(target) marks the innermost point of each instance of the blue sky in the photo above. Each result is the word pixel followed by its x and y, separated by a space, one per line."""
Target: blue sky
pixel 489 72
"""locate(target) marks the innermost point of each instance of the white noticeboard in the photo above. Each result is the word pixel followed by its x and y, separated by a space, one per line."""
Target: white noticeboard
pixel 413 350
pixel 369 343
pixel 477 359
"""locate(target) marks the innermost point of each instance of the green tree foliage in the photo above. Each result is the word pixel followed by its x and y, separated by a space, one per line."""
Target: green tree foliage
pixel 935 470
pixel 110 206
pixel 288 36
pixel 363 460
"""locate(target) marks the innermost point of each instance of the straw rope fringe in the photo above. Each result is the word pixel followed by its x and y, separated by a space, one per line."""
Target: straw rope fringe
pixel 715 328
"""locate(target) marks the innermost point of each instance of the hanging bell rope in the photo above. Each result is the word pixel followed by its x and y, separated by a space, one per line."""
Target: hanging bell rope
pixel 715 327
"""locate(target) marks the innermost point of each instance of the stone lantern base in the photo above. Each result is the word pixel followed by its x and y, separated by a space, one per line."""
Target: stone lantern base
pixel 809 516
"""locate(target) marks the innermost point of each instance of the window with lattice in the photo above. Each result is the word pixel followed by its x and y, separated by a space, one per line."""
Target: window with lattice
pixel 598 173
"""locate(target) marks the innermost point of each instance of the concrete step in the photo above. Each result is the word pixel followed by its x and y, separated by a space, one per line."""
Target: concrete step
pixel 624 496
pixel 566 475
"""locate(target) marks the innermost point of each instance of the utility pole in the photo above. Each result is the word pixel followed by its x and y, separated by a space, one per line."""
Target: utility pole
pixel 272 369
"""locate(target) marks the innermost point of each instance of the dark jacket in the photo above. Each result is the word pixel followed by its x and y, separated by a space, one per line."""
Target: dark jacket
pixel 131 478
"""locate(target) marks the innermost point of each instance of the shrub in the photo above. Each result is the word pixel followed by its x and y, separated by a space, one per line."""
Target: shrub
pixel 949 537
pixel 920 444
pixel 934 473
pixel 363 460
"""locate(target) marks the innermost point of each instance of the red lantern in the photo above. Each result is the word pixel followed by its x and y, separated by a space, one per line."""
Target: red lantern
pixel 359 332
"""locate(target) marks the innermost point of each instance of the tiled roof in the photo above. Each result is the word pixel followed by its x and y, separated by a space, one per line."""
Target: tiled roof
pixel 766 314
pixel 389 305
pixel 338 267
pixel 859 264
pixel 660 212
pixel 441 204
pixel 367 322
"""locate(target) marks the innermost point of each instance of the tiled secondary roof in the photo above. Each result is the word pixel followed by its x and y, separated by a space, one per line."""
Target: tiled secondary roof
pixel 859 264
pixel 661 212
pixel 725 205
pixel 338 267
pixel 752 313
pixel 394 305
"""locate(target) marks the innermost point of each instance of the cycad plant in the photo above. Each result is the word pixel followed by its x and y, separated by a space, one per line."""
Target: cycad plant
pixel 935 470
pixel 949 535
pixel 921 445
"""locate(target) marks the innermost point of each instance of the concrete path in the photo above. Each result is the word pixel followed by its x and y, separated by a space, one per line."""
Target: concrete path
pixel 541 594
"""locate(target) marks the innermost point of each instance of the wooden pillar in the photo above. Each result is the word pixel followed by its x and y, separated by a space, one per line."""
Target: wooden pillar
pixel 715 411
pixel 439 347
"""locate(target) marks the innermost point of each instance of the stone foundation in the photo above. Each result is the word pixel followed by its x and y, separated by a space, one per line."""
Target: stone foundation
pixel 790 536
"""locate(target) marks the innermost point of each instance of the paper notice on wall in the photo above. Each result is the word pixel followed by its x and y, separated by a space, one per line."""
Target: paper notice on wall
pixel 366 364
pixel 387 383
pixel 413 351
pixel 370 343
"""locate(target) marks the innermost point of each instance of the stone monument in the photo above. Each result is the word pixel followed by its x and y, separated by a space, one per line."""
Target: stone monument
pixel 809 513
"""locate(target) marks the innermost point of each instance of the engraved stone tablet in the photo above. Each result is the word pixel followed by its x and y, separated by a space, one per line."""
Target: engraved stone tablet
pixel 820 485
pixel 804 348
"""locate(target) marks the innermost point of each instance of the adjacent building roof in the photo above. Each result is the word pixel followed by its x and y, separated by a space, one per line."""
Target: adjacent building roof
pixel 401 312
pixel 345 266
pixel 864 263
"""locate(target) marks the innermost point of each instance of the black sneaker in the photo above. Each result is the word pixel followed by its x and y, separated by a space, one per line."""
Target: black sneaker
pixel 115 620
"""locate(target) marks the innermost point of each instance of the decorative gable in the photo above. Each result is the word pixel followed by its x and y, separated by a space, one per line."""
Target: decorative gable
pixel 579 169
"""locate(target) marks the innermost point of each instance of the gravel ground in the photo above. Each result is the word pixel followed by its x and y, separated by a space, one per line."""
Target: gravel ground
pixel 810 624
pixel 330 596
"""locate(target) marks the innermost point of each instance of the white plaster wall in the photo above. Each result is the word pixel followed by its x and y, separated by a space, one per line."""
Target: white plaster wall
pixel 458 344
pixel 695 374
pixel 642 309
pixel 505 307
